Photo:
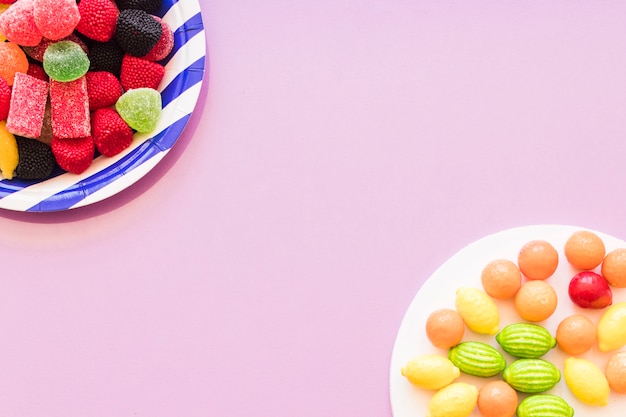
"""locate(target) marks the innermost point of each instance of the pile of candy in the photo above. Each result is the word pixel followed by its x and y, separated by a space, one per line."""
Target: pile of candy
pixel 77 80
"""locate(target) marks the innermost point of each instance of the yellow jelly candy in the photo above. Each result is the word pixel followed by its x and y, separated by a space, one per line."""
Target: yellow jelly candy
pixel 612 328
pixel 478 310
pixel 458 399
pixel 430 371
pixel 9 156
pixel 3 7
pixel 586 381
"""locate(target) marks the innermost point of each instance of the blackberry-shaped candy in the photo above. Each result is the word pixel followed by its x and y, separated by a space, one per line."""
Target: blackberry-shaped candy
pixel 106 56
pixel 137 32
pixel 149 6
pixel 36 160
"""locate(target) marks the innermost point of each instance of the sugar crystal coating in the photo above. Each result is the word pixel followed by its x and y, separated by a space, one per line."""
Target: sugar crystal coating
pixel 63 71
pixel 140 108
pixel 28 103
pixel 17 24
pixel 55 19
pixel 65 61
pixel 165 44
pixel 69 108
pixel 12 60
pixel 3 8
pixel 5 99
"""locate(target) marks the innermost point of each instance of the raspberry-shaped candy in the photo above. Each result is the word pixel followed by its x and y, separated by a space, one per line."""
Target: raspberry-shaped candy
pixel 98 19
pixel 5 99
pixel 103 89
pixel 73 154
pixel 17 24
pixel 110 132
pixel 139 73
pixel 137 32
pixel 149 6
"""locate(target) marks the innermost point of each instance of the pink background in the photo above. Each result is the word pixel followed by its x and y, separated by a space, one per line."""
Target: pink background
pixel 340 152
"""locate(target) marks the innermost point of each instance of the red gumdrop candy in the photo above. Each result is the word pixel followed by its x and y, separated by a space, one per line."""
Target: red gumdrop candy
pixel 17 24
pixel 56 19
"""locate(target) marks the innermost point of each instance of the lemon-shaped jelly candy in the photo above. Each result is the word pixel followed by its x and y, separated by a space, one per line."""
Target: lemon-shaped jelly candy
pixel 455 400
pixel 3 7
pixel 9 156
pixel 586 381
pixel 612 328
pixel 430 371
pixel 478 310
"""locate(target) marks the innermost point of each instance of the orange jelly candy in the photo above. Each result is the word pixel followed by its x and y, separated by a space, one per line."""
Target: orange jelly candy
pixel 12 60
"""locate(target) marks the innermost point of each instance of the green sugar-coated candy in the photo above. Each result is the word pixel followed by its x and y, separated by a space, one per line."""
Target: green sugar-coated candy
pixel 65 61
pixel 140 108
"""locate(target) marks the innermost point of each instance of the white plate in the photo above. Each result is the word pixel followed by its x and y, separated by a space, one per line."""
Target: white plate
pixel 180 89
pixel 464 269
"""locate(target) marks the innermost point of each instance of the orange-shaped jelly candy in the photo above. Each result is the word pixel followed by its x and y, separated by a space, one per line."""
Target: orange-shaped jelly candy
pixel 12 60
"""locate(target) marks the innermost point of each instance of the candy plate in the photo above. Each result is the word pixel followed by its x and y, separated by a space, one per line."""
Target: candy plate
pixel 107 176
pixel 464 269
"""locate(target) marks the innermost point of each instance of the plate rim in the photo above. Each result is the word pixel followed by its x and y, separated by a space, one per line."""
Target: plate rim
pixel 530 232
pixel 34 197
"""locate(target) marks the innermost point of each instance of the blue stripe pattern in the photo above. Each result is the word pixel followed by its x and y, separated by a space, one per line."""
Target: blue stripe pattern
pixel 187 77
pixel 150 148
pixel 192 75
pixel 192 27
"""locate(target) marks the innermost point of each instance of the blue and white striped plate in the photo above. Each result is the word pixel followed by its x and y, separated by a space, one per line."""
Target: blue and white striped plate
pixel 107 176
